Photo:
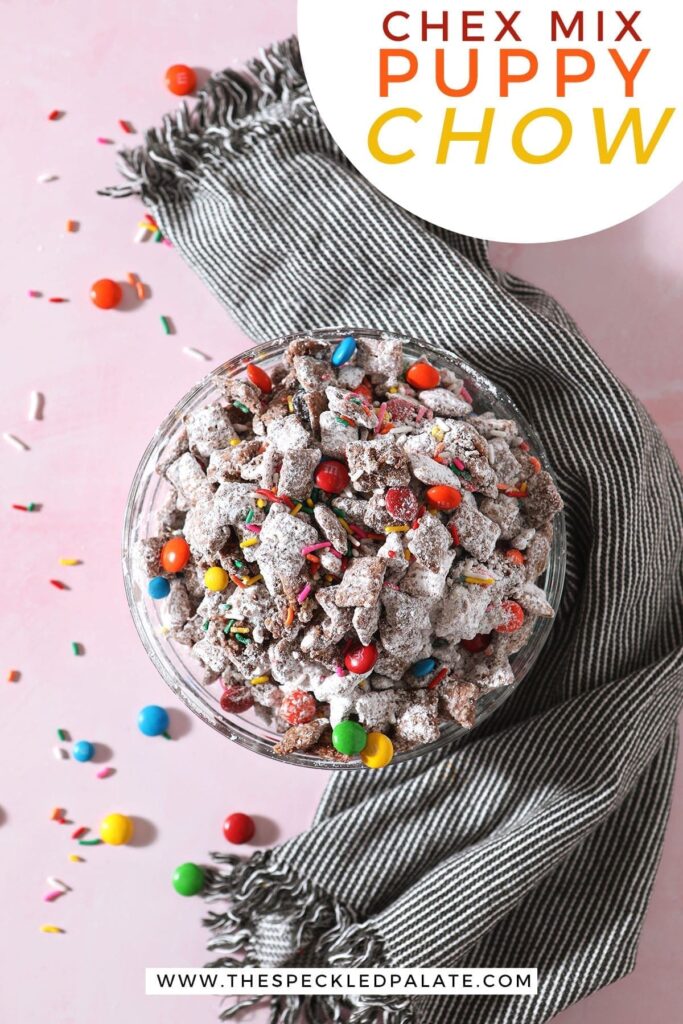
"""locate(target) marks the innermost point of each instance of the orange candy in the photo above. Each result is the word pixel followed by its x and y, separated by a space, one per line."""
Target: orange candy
pixel 515 555
pixel 180 79
pixel 259 378
pixel 175 554
pixel 423 376
pixel 106 294
pixel 515 617
pixel 444 498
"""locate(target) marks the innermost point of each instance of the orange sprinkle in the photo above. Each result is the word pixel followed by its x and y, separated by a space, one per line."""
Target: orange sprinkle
pixel 131 279
pixel 503 487
pixel 536 463
pixel 237 581
pixel 56 814
pixel 140 290
pixel 289 619
pixel 313 558
pixel 386 428
pixel 13 676
pixel 71 225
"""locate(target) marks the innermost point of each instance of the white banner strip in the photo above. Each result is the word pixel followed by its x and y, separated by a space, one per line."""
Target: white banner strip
pixel 375 981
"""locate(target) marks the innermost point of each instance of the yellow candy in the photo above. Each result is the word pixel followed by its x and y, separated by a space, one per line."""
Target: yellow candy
pixel 116 829
pixel 378 751
pixel 216 578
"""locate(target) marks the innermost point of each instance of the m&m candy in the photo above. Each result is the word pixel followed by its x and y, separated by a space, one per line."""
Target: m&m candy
pixel 188 879
pixel 158 588
pixel 360 659
pixel 514 617
pixel 402 503
pixel 331 476
pixel 515 555
pixel 153 720
pixel 299 707
pixel 84 750
pixel 180 79
pixel 235 700
pixel 106 294
pixel 477 644
pixel 422 376
pixel 344 351
pixel 116 829
pixel 378 751
pixel 259 378
pixel 443 497
pixel 349 737
pixel 238 828
pixel 424 667
pixel 175 554
pixel 216 578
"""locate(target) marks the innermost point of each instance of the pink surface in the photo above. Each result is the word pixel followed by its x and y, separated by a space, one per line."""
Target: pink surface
pixel 109 378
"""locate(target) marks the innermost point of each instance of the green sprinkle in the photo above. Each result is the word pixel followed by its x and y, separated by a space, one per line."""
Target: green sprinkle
pixel 205 625
pixel 315 495
pixel 158 237
pixel 229 626
pixel 166 736
pixel 31 506
pixel 242 639
pixel 250 516
pixel 75 648
pixel 240 565
pixel 307 509
pixel 61 735
pixel 165 324
pixel 240 406
pixel 89 842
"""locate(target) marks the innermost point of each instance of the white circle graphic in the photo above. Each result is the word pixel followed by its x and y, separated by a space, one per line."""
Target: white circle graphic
pixel 523 123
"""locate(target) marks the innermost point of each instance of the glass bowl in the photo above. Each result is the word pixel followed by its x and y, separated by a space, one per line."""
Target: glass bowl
pixel 173 661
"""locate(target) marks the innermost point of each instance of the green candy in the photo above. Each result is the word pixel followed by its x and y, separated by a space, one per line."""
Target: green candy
pixel 349 737
pixel 188 879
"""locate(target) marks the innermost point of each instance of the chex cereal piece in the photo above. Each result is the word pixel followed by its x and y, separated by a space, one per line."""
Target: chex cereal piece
pixel 362 583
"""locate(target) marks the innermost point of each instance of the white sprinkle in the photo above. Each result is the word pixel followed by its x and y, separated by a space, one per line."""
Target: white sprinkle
pixel 56 884
pixel 60 753
pixel 142 235
pixel 35 406
pixel 195 353
pixel 44 178
pixel 16 442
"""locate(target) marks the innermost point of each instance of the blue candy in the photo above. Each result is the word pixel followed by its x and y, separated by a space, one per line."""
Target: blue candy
pixel 153 720
pixel 84 750
pixel 344 351
pixel 158 588
pixel 424 667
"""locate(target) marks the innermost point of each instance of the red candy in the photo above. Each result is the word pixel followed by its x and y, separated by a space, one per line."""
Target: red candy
pixel 361 659
pixel 364 389
pixel 515 555
pixel 235 700
pixel 423 376
pixel 444 498
pixel 238 828
pixel 259 378
pixel 298 707
pixel 331 476
pixel 106 294
pixel 401 503
pixel 477 644
pixel 175 554
pixel 180 79
pixel 515 617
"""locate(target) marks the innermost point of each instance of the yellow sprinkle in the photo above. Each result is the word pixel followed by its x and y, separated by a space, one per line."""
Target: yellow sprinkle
pixel 290 403
pixel 249 581
pixel 297 508
pixel 234 442
pixel 437 433
pixel 68 561
pixel 50 928
pixel 257 680
pixel 248 543
pixel 480 581
pixel 260 503
pixel 75 858
pixel 392 391
pixel 407 554
pixel 396 529
pixel 240 629
pixel 309 502
pixel 346 525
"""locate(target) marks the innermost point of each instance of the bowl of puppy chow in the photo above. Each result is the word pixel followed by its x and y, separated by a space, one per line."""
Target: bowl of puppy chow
pixel 343 548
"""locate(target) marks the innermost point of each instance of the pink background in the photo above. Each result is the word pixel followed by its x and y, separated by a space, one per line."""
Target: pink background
pixel 109 378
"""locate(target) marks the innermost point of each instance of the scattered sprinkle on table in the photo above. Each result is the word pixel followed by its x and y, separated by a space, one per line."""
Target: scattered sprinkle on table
pixel 56 814
pixel 36 403
pixel 57 299
pixel 55 115
pixel 16 442
pixel 13 675
pixel 46 177
pixel 140 291
pixel 56 883
pixel 62 735
pixel 49 897
pixel 59 585
pixel 126 127
pixel 69 561
pixel 60 753
pixel 33 293
pixel 89 842
pixel 103 141
pixel 72 225
pixel 76 648
pixel 52 929
pixel 75 858
pixel 104 773
pixel 165 324
pixel 195 353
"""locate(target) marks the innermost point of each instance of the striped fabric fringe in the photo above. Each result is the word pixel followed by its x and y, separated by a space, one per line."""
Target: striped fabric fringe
pixel 535 841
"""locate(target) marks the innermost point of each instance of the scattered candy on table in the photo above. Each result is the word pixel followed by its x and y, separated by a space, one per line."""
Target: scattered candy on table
pixel 238 828
pixel 188 879
pixel 344 351
pixel 378 751
pixel 106 294
pixel 83 750
pixel 115 829
pixel 349 737
pixel 158 588
pixel 180 79
pixel 153 720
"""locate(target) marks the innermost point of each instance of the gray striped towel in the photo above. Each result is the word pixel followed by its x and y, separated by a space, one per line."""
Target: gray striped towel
pixel 535 841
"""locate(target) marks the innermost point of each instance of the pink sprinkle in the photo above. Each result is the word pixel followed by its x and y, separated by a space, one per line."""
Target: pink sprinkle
pixel 381 413
pixel 50 896
pixel 392 586
pixel 302 595
pixel 339 670
pixel 459 463
pixel 466 395
pixel 421 413
pixel 253 527
pixel 430 414
pixel 33 294
pixel 104 142
pixel 338 554
pixel 316 547
pixel 104 773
